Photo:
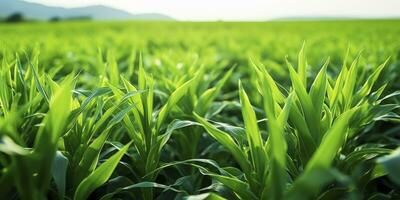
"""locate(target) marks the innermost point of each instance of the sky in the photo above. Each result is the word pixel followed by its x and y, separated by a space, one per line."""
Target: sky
pixel 244 10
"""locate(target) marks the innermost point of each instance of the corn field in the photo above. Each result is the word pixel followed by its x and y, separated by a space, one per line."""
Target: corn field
pixel 184 110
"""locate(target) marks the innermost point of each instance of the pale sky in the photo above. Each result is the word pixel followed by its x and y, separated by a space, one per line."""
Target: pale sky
pixel 200 10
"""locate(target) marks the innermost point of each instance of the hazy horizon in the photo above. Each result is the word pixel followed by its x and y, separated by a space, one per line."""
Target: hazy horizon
pixel 245 10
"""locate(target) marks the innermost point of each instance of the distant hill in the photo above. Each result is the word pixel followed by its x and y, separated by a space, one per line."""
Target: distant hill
pixel 98 12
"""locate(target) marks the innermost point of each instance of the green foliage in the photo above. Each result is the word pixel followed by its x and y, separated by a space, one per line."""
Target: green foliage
pixel 168 110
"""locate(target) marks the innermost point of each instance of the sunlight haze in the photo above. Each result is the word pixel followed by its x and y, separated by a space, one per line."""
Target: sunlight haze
pixel 245 10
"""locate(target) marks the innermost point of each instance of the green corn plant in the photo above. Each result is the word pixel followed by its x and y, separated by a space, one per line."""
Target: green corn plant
pixel 96 117
pixel 186 137
pixel 200 98
pixel 100 175
pixel 29 168
pixel 144 126
pixel 263 164
pixel 204 97
pixel 86 138
pixel 345 117
pixel 316 130
pixel 34 167
pixel 326 123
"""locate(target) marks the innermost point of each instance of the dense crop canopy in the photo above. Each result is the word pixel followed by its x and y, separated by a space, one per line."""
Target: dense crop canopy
pixel 151 110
